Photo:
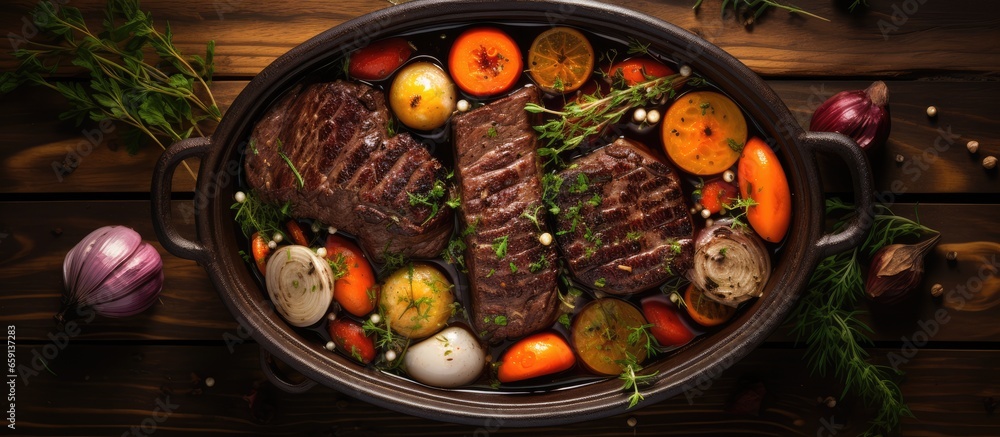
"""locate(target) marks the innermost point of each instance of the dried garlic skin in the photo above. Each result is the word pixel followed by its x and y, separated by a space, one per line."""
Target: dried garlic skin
pixel 896 270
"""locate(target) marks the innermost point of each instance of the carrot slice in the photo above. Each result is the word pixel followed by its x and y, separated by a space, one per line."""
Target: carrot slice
pixel 703 132
pixel 296 233
pixel 705 311
pixel 485 61
pixel 640 69
pixel 355 289
pixel 379 59
pixel 260 251
pixel 763 180
pixel 541 354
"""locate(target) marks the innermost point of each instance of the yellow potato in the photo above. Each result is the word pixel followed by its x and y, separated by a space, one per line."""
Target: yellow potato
pixel 417 300
pixel 422 96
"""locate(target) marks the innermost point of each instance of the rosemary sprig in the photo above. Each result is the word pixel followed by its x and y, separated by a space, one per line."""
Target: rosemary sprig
pixel 137 75
pixel 592 113
pixel 760 6
pixel 834 337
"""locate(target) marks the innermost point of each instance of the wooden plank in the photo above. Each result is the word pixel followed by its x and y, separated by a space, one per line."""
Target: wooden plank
pixel 31 259
pixel 104 390
pixel 31 139
pixel 39 234
pixel 876 42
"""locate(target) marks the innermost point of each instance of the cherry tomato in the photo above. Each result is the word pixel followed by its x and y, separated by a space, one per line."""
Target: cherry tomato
pixel 668 329
pixel 379 59
pixel 350 337
pixel 716 194
pixel 639 69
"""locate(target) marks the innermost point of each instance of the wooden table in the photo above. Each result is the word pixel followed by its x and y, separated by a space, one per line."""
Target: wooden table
pixel 146 372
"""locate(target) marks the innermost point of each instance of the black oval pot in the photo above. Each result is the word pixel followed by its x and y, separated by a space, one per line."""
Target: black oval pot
pixel 216 247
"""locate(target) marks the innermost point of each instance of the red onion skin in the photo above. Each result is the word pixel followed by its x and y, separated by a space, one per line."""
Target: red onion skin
pixel 862 115
pixel 114 272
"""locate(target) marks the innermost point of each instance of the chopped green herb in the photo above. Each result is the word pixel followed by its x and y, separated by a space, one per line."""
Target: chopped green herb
pixel 600 282
pixel 513 268
pixel 500 320
pixel 500 246
pixel 737 147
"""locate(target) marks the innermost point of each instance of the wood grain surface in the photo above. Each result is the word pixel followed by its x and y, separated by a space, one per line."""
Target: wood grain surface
pixel 120 375
pixel 147 381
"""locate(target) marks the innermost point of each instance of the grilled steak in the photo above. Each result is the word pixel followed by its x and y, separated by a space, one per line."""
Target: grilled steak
pixel 512 275
pixel 624 222
pixel 353 175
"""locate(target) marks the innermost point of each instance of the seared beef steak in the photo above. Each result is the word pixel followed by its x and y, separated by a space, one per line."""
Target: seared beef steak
pixel 512 275
pixel 355 177
pixel 624 225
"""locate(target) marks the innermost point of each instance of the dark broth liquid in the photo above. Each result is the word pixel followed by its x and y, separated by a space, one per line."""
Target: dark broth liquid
pixel 433 46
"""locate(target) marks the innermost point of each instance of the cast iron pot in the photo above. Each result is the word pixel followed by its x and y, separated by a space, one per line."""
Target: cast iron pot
pixel 215 246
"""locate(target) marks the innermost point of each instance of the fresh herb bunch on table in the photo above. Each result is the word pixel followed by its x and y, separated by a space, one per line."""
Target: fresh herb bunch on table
pixel 137 75
pixel 827 321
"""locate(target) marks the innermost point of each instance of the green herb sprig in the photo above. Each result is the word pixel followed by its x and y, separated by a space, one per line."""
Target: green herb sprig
pixel 758 7
pixel 589 116
pixel 255 215
pixel 835 338
pixel 137 75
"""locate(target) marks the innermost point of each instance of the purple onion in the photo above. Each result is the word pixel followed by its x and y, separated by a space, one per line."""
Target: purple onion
pixel 114 272
pixel 862 115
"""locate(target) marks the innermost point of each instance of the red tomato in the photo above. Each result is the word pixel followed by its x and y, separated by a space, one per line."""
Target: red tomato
pixel 640 69
pixel 668 329
pixel 541 354
pixel 762 179
pixel 716 194
pixel 379 59
pixel 355 290
pixel 350 337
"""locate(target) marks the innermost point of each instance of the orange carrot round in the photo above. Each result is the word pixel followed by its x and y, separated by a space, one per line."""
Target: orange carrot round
pixel 703 132
pixel 485 61
pixel 541 354
pixel 260 251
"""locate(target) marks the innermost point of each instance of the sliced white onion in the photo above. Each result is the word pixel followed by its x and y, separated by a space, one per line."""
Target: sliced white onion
pixel 730 264
pixel 300 284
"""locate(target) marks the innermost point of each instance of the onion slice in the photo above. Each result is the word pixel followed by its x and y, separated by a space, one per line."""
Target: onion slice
pixel 300 284
pixel 730 264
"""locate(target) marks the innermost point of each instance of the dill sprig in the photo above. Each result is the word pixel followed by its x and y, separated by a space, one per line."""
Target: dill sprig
pixel 592 113
pixel 255 215
pixel 828 323
pixel 386 340
pixel 758 7
pixel 137 75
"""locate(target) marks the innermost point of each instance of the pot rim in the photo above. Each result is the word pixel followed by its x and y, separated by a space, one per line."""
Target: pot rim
pixel 688 368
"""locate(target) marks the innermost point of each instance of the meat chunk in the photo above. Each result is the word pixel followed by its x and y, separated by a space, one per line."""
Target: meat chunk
pixel 512 275
pixel 623 226
pixel 351 174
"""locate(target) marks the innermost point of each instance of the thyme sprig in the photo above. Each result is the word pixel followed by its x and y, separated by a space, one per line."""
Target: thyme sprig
pixel 592 113
pixel 137 75
pixel 835 338
pixel 758 7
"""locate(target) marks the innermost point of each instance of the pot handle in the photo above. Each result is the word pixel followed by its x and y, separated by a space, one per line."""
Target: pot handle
pixel 267 365
pixel 854 230
pixel 160 189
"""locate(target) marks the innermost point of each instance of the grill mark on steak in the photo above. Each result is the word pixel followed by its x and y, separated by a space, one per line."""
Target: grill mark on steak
pixel 356 178
pixel 640 197
pixel 499 175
